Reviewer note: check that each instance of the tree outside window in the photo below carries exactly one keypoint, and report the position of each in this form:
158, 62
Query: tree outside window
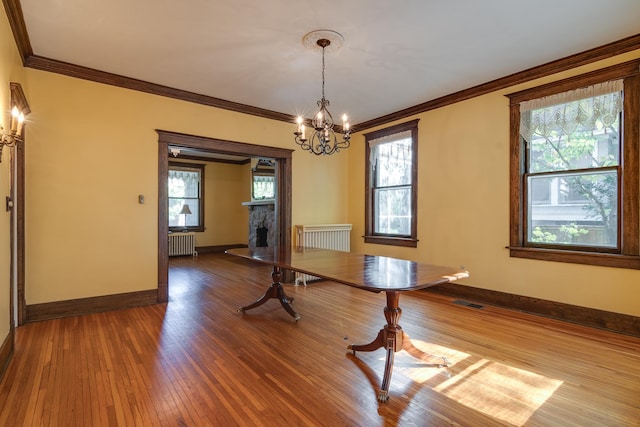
575, 169
574, 146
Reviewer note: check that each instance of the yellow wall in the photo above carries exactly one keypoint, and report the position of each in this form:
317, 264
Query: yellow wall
10, 71
92, 149
463, 208
226, 221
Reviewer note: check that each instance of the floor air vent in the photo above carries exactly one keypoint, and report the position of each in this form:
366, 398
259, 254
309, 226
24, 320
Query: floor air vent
468, 304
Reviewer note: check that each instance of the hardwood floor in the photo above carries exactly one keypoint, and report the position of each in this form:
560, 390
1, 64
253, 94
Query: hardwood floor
196, 362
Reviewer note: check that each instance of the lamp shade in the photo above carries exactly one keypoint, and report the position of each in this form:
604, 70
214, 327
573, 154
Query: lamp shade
185, 210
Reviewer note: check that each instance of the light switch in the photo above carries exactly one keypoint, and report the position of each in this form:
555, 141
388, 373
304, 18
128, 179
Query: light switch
141, 199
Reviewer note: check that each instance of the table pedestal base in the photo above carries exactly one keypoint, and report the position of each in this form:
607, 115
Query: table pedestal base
393, 339
275, 291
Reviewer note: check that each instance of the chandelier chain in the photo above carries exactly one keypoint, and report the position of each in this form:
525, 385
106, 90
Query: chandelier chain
323, 47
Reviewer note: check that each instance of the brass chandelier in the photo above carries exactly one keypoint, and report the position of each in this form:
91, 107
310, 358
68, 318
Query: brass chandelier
323, 138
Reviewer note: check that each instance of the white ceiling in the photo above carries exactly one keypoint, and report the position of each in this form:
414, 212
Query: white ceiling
396, 54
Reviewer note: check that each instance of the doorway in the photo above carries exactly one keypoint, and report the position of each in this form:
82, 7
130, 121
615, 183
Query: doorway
282, 202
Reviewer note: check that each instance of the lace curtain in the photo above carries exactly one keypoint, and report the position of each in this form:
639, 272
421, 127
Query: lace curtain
184, 183
577, 110
400, 151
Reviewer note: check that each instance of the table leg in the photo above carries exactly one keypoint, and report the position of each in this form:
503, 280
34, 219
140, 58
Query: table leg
390, 337
393, 339
275, 291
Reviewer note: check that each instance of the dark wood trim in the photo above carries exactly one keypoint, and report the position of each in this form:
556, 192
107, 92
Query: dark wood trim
80, 306
13, 9
210, 160
631, 166
77, 71
19, 209
218, 248
16, 20
392, 241
283, 157
601, 319
201, 211
370, 237
163, 222
222, 146
613, 72
18, 98
577, 257
629, 210
6, 352
589, 56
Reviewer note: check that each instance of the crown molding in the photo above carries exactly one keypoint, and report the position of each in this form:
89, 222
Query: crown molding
16, 20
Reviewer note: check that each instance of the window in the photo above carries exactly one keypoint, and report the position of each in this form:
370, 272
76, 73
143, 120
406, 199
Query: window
391, 179
263, 178
574, 169
186, 189
264, 186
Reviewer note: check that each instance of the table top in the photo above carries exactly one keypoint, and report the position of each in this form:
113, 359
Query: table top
370, 272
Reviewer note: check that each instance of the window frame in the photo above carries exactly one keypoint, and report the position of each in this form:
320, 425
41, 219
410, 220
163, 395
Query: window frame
390, 239
200, 227
628, 254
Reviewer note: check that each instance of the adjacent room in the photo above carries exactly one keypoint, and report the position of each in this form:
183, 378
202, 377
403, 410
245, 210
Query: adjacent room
319, 214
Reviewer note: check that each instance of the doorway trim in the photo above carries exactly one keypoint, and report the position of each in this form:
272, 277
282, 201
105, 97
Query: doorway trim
283, 159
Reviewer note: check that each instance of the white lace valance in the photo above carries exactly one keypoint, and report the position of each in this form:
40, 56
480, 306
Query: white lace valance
397, 151
564, 113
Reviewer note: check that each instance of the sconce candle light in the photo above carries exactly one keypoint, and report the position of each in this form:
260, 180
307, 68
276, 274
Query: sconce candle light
11, 138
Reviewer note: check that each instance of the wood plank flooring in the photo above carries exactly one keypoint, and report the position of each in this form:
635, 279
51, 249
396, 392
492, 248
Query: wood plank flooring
196, 362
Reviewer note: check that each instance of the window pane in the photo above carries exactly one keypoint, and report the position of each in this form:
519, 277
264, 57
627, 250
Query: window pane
264, 187
576, 135
176, 219
393, 207
540, 190
184, 185
583, 209
393, 163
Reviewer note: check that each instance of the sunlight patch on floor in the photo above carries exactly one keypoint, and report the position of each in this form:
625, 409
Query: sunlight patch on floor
503, 392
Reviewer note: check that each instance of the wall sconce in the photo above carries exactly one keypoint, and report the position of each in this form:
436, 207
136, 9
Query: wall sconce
11, 138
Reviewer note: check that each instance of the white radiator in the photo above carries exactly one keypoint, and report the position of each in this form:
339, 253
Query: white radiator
182, 244
325, 236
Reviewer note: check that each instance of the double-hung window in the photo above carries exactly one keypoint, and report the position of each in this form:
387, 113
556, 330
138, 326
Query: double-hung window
574, 169
391, 192
186, 190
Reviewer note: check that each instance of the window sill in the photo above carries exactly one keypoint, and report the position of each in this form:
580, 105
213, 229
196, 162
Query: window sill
392, 241
577, 257
188, 229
